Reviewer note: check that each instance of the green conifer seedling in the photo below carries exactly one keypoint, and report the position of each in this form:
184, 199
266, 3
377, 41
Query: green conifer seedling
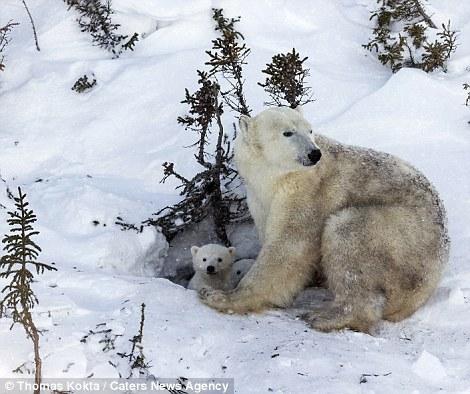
96, 19
83, 84
227, 58
19, 265
401, 37
210, 193
285, 83
4, 40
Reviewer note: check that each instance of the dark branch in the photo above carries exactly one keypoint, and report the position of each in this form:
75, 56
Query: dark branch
32, 24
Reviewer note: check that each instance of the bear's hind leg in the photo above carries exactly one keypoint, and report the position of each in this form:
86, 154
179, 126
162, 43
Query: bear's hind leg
354, 260
344, 314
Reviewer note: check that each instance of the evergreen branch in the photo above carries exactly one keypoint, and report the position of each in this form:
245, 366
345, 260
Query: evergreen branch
95, 19
286, 80
5, 40
211, 192
466, 87
423, 13
228, 57
409, 47
83, 84
136, 357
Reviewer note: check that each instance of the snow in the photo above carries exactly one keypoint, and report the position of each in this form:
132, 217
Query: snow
429, 367
85, 159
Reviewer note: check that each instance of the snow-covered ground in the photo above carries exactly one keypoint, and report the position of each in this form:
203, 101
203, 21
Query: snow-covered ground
92, 157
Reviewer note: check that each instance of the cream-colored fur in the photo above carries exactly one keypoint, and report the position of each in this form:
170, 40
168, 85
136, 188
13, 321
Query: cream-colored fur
371, 223
238, 271
227, 272
220, 259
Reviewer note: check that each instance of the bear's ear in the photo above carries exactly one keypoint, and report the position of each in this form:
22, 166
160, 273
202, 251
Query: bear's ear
244, 122
231, 250
299, 109
194, 250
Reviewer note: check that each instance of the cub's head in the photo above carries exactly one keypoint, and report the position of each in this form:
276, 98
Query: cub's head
212, 259
282, 137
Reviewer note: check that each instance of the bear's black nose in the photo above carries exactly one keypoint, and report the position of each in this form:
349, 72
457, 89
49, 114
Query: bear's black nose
210, 269
314, 156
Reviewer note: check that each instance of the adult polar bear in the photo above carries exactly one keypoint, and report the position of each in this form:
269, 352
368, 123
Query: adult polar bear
372, 224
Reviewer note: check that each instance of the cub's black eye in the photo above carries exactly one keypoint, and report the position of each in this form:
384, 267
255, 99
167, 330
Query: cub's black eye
311, 131
204, 259
219, 260
288, 134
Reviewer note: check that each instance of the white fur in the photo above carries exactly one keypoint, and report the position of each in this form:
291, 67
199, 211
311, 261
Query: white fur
370, 224
217, 256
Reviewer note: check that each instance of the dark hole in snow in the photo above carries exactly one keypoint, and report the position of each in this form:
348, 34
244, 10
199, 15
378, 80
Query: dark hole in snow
177, 266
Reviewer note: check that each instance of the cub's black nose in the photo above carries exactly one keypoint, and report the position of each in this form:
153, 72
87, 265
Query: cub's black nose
210, 269
314, 156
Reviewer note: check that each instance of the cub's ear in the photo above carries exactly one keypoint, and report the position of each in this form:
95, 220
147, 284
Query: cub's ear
244, 122
299, 109
194, 250
231, 250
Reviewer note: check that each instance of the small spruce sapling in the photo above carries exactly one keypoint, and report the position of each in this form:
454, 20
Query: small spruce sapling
438, 52
136, 357
95, 19
130, 44
285, 83
227, 58
108, 337
4, 40
83, 84
466, 87
17, 265
401, 37
210, 193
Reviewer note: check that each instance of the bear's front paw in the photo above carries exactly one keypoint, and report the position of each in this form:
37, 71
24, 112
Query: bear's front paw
216, 299
317, 322
326, 319
205, 292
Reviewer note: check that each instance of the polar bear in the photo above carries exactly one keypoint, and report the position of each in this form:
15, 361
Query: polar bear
239, 270
214, 267
369, 222
212, 264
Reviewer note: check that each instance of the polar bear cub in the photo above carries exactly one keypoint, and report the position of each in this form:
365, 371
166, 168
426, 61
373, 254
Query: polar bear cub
215, 267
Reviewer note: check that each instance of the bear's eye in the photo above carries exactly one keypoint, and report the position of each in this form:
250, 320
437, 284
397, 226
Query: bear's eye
288, 134
204, 259
219, 260
311, 131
